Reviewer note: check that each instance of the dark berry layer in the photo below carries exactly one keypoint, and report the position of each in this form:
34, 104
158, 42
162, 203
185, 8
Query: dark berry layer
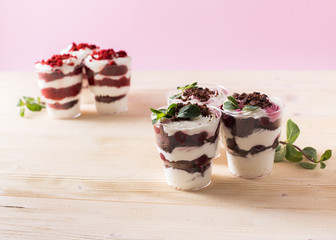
61, 93
108, 99
58, 74
122, 82
197, 165
234, 149
243, 127
62, 106
180, 139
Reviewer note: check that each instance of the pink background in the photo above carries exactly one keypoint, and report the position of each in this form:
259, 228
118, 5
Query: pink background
175, 34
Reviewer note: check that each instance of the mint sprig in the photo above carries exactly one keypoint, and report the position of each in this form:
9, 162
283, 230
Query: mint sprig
32, 104
186, 112
192, 85
178, 95
287, 150
232, 104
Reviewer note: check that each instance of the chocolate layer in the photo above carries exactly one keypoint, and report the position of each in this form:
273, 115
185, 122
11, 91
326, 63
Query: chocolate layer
234, 149
58, 74
180, 139
60, 93
197, 165
124, 81
243, 127
108, 99
64, 106
114, 70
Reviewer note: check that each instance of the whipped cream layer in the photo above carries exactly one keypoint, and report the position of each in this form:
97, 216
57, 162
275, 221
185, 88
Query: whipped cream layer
68, 66
183, 180
72, 112
215, 101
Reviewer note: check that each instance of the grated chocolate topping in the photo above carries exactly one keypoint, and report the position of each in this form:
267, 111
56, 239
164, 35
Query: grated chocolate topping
202, 94
253, 99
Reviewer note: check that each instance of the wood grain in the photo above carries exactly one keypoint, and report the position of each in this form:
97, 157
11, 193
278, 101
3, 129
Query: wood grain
100, 177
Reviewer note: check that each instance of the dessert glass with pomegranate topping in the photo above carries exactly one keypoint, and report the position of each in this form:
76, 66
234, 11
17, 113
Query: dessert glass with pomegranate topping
60, 82
251, 129
208, 94
109, 75
81, 51
187, 141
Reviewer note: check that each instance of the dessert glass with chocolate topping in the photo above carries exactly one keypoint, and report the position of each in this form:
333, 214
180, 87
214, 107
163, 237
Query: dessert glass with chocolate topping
109, 75
208, 94
251, 126
81, 51
187, 141
60, 82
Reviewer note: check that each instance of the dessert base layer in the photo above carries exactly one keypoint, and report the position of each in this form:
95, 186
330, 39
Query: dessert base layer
72, 112
251, 166
113, 107
183, 180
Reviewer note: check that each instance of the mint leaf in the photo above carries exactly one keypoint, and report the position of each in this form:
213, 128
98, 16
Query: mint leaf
280, 153
34, 107
292, 154
22, 112
310, 166
155, 111
28, 99
193, 85
171, 110
154, 120
250, 108
20, 103
293, 131
229, 106
189, 111
326, 155
322, 165
310, 152
233, 101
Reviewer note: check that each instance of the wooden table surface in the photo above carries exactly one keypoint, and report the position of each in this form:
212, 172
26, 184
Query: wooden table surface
100, 177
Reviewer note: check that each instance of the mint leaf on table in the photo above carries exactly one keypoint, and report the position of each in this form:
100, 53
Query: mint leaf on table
293, 131
326, 155
34, 105
322, 165
280, 153
189, 111
311, 152
295, 154
306, 165
250, 108
292, 154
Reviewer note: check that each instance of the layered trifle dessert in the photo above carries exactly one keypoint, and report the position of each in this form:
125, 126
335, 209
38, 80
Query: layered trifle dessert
187, 141
203, 94
60, 82
251, 130
109, 75
81, 51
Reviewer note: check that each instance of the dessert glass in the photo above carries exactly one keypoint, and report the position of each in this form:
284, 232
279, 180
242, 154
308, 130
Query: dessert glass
214, 100
109, 75
250, 139
60, 82
187, 149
